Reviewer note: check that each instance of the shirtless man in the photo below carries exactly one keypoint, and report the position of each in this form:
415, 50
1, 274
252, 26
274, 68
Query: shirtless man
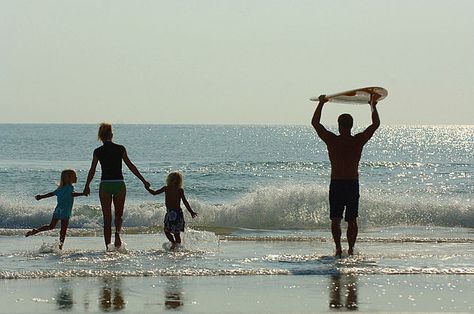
344, 153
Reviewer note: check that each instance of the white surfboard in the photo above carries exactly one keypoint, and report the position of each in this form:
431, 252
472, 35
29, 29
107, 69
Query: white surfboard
356, 96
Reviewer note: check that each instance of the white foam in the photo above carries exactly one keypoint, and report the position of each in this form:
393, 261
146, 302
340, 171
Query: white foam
272, 207
121, 249
48, 248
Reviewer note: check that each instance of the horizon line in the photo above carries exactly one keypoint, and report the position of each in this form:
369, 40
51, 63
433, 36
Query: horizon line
213, 124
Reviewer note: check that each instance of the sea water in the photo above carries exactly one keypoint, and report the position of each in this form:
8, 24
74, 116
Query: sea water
261, 193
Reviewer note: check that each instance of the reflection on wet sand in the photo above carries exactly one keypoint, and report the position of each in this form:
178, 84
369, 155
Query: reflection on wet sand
64, 299
111, 297
173, 293
343, 292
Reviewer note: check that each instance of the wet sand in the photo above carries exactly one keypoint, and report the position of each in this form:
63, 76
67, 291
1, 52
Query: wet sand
241, 294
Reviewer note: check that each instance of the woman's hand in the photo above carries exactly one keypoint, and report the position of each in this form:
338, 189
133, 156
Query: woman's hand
86, 190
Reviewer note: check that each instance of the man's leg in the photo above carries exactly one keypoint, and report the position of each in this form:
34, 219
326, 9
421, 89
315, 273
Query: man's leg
336, 234
352, 230
336, 209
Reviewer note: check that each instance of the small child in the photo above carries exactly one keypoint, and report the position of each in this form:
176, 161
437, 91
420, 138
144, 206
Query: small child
174, 218
65, 195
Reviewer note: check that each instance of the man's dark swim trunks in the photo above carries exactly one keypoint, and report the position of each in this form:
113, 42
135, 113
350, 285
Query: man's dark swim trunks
344, 194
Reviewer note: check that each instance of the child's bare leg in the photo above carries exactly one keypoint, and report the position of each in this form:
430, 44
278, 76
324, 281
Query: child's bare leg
169, 236
172, 239
62, 233
177, 241
51, 226
177, 238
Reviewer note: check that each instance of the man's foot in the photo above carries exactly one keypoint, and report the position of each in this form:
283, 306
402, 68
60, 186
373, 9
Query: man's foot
338, 253
118, 241
173, 246
30, 233
61, 245
350, 251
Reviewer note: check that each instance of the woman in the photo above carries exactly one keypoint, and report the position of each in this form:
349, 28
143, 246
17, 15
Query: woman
112, 187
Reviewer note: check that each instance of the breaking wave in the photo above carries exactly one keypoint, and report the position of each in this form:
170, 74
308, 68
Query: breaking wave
274, 208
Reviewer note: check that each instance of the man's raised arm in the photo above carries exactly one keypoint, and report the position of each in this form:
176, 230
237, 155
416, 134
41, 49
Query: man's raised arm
367, 134
316, 121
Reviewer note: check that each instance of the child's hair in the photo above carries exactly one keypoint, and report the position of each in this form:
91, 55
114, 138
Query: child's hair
66, 177
105, 132
175, 179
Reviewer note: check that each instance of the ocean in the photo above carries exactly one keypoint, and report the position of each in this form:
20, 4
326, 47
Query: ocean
261, 193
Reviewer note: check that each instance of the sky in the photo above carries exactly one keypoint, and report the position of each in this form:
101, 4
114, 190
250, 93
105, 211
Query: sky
234, 62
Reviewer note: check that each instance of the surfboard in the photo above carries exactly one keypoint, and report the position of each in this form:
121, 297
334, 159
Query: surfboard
356, 96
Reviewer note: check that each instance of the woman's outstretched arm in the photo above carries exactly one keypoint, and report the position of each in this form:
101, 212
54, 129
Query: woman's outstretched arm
134, 169
91, 174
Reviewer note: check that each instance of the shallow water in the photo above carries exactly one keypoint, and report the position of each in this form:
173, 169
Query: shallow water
261, 240
258, 177
245, 271
243, 253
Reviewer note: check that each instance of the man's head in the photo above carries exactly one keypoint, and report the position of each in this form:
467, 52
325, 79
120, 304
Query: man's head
345, 121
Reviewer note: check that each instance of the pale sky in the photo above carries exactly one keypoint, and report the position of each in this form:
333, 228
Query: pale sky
233, 62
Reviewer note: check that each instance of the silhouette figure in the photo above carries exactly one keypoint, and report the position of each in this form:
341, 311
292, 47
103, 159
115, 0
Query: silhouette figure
112, 187
65, 197
344, 151
174, 218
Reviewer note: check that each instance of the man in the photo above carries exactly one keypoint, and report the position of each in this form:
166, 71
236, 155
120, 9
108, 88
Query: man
344, 153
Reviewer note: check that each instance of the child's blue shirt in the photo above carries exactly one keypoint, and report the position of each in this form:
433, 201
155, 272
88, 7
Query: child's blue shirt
65, 199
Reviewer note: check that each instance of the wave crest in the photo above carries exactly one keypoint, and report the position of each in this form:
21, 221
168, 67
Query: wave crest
274, 207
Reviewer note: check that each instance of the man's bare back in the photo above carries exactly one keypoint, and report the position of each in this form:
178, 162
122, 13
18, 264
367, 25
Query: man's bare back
344, 153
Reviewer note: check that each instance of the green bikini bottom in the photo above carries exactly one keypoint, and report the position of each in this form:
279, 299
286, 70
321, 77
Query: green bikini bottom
112, 187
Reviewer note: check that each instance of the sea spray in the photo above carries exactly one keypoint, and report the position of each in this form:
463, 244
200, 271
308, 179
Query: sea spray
272, 207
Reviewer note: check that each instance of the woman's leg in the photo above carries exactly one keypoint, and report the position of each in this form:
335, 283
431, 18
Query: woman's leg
119, 204
106, 204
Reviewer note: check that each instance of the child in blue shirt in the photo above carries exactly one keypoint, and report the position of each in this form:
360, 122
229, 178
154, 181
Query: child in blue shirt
65, 196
